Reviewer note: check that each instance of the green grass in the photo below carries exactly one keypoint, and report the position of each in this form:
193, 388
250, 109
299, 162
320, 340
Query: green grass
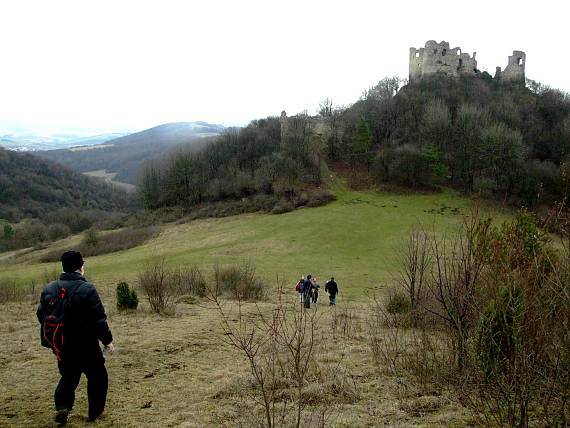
354, 238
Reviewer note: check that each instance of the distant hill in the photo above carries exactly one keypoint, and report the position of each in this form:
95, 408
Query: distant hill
26, 142
34, 187
124, 156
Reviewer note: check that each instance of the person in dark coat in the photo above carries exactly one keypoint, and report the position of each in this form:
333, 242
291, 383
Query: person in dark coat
307, 289
331, 287
85, 326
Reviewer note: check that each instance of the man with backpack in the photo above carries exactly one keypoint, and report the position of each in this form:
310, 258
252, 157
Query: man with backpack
298, 288
307, 289
331, 287
73, 322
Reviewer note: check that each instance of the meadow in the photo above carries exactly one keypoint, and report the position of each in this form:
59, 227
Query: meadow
176, 371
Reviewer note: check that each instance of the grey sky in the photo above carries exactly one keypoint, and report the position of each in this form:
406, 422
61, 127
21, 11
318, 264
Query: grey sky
125, 65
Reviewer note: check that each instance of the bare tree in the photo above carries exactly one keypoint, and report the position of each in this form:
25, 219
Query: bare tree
281, 344
415, 261
454, 282
326, 107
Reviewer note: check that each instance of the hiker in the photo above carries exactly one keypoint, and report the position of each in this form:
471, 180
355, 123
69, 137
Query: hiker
331, 287
298, 288
306, 290
73, 321
315, 288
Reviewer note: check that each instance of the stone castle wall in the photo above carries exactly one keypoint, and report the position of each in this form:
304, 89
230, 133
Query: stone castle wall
440, 58
515, 69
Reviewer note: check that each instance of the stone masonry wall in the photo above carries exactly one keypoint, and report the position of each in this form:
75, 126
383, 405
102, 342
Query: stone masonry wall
515, 70
439, 58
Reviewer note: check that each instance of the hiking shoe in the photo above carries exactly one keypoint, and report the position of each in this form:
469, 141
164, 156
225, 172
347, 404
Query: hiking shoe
61, 416
91, 417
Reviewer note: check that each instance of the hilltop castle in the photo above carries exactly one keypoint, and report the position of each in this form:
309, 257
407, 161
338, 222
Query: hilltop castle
439, 58
432, 59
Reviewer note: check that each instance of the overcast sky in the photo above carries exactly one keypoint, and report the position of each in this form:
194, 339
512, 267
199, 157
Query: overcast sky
103, 66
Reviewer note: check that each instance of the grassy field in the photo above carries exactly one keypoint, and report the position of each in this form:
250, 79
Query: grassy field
175, 371
354, 238
108, 176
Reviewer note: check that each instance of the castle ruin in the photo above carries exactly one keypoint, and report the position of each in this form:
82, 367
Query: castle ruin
514, 69
439, 58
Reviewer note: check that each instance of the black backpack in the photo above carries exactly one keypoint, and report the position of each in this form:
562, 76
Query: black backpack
53, 324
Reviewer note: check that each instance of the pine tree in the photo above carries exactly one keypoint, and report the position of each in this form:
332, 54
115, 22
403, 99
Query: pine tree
361, 143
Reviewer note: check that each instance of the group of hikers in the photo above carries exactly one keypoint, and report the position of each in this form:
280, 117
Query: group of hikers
308, 289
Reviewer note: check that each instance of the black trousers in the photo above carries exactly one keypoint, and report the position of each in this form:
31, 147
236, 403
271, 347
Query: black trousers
71, 368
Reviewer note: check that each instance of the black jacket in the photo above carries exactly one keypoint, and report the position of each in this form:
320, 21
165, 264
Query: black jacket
332, 288
85, 319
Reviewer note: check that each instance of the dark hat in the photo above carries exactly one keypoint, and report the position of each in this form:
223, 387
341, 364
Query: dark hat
71, 261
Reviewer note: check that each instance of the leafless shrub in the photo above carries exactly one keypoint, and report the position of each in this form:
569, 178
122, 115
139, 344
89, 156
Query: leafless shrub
455, 281
240, 282
156, 283
344, 321
188, 281
386, 337
429, 358
280, 347
493, 323
11, 291
415, 262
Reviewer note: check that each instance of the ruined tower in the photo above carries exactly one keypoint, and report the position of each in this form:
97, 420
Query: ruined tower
283, 122
515, 68
439, 58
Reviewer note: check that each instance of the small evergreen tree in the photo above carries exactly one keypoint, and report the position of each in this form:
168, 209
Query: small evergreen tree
361, 143
9, 231
126, 298
91, 238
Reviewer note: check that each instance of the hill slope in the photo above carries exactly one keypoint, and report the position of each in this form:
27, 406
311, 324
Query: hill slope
353, 238
32, 187
125, 155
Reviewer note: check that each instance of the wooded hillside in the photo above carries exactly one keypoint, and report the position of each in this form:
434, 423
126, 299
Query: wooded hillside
35, 187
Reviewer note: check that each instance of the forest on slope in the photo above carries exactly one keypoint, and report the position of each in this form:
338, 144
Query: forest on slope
34, 187
41, 200
501, 140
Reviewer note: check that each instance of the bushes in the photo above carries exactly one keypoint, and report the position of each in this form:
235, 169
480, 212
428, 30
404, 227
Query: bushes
313, 199
240, 282
91, 238
126, 298
403, 166
398, 303
189, 281
282, 207
492, 321
13, 291
164, 286
156, 284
